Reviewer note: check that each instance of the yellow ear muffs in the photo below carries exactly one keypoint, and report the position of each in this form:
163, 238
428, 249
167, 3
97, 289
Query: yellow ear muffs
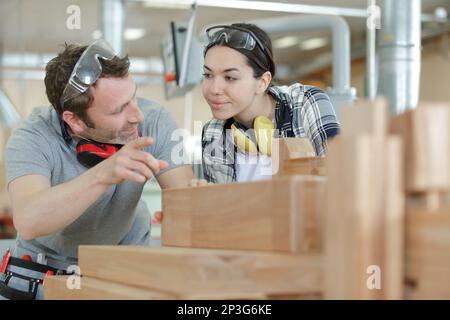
263, 132
263, 129
242, 141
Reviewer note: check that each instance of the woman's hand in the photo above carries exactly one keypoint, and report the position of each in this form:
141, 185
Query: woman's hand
158, 216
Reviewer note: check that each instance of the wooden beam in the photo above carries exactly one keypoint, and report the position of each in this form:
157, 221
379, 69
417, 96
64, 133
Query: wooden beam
364, 219
365, 208
365, 117
296, 156
293, 148
426, 135
304, 166
274, 215
184, 271
55, 288
427, 253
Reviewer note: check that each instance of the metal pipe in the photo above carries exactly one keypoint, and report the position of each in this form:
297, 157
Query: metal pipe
113, 16
9, 117
272, 7
371, 45
399, 54
341, 93
340, 40
257, 5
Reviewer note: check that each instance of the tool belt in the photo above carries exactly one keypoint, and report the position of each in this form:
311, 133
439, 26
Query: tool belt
40, 270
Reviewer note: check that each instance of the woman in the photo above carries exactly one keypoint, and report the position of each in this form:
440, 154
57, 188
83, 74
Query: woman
237, 84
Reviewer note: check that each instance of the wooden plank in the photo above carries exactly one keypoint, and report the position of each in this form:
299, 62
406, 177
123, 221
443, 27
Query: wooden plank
365, 117
275, 215
55, 288
185, 271
427, 253
425, 132
293, 148
284, 149
304, 166
365, 207
364, 218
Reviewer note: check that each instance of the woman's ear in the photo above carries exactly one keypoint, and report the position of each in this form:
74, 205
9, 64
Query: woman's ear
264, 82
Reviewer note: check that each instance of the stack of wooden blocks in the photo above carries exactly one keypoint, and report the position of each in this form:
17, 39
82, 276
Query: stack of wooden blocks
239, 241
370, 222
426, 137
365, 208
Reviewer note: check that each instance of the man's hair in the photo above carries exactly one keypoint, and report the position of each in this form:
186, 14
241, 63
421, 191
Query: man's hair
59, 69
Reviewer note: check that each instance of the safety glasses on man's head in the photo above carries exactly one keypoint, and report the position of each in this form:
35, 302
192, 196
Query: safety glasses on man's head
87, 70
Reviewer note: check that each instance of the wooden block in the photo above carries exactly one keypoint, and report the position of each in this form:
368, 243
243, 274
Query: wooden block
204, 272
427, 254
365, 117
55, 288
275, 215
364, 219
425, 132
296, 156
430, 201
304, 166
293, 148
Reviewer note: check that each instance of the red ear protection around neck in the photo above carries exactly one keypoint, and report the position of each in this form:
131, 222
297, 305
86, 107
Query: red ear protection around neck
91, 153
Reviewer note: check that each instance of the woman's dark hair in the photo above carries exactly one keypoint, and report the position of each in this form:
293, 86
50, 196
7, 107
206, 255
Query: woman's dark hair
263, 58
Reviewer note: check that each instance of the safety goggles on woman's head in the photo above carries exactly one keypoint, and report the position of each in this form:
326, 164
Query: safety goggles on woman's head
233, 36
87, 70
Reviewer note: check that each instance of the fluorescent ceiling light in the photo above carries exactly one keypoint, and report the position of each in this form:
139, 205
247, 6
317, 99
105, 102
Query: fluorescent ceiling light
257, 5
285, 42
313, 43
168, 4
134, 33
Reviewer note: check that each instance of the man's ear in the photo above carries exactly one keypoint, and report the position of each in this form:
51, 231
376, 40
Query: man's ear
74, 122
264, 82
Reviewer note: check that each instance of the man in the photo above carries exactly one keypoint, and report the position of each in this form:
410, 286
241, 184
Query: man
62, 194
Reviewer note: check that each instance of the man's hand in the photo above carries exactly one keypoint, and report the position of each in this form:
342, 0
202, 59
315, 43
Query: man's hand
198, 183
157, 217
130, 163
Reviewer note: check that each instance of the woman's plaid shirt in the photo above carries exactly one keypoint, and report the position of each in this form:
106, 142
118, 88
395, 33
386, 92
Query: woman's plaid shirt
300, 111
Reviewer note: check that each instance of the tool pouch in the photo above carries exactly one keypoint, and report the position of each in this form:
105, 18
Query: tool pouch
25, 275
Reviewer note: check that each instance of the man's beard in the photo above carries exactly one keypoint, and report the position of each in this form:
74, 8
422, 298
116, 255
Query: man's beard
110, 136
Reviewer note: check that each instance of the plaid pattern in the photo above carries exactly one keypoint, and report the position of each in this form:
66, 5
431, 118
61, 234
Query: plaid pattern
300, 111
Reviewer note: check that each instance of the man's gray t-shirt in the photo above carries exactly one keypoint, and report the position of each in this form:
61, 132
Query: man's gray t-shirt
118, 216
